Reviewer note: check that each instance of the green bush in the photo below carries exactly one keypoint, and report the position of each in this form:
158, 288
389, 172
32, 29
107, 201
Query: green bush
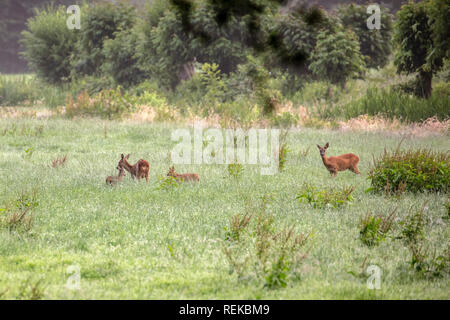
411, 170
49, 44
284, 120
109, 103
329, 197
254, 247
235, 170
374, 228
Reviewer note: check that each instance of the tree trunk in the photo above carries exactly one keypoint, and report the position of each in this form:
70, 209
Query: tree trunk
424, 84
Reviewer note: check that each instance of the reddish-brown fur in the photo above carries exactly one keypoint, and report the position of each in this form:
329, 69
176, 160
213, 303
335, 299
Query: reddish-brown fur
339, 163
183, 176
140, 169
112, 180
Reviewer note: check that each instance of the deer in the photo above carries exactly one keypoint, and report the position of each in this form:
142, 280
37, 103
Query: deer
339, 163
138, 170
112, 180
184, 176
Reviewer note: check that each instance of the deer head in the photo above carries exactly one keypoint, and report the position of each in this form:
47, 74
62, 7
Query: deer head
171, 172
123, 161
324, 149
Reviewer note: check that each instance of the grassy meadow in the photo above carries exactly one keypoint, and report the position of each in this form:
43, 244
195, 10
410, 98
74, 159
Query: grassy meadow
138, 241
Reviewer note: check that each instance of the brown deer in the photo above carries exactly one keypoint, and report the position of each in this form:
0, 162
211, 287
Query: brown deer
183, 176
139, 169
339, 163
112, 180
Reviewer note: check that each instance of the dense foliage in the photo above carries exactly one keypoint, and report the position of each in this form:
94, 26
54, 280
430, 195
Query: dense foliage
421, 39
49, 44
375, 45
411, 170
337, 57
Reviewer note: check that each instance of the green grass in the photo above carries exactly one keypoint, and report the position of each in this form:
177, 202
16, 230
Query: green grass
140, 241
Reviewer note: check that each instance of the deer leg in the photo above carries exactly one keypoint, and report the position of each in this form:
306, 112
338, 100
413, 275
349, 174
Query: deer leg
355, 170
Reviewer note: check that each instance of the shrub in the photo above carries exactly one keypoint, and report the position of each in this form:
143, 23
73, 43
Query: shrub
326, 197
168, 183
283, 150
413, 170
284, 120
49, 44
374, 228
110, 103
18, 214
427, 262
235, 170
253, 241
412, 227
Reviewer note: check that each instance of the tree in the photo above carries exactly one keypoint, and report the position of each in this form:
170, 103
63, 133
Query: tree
375, 45
336, 57
418, 35
101, 21
439, 13
49, 44
121, 62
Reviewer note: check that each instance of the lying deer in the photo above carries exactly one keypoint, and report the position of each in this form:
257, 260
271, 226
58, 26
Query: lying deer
139, 169
183, 176
112, 180
340, 163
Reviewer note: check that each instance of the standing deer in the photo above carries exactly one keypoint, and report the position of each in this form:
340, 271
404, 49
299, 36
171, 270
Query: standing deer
183, 176
139, 169
339, 163
112, 180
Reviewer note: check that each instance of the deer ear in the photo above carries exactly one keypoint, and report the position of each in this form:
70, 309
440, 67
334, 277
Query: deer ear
121, 156
327, 145
318, 146
128, 156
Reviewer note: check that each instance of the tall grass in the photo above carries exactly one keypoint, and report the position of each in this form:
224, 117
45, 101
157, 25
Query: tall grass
26, 90
393, 103
17, 89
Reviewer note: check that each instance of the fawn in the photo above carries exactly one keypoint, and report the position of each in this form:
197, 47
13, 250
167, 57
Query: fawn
112, 180
139, 169
340, 163
183, 176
